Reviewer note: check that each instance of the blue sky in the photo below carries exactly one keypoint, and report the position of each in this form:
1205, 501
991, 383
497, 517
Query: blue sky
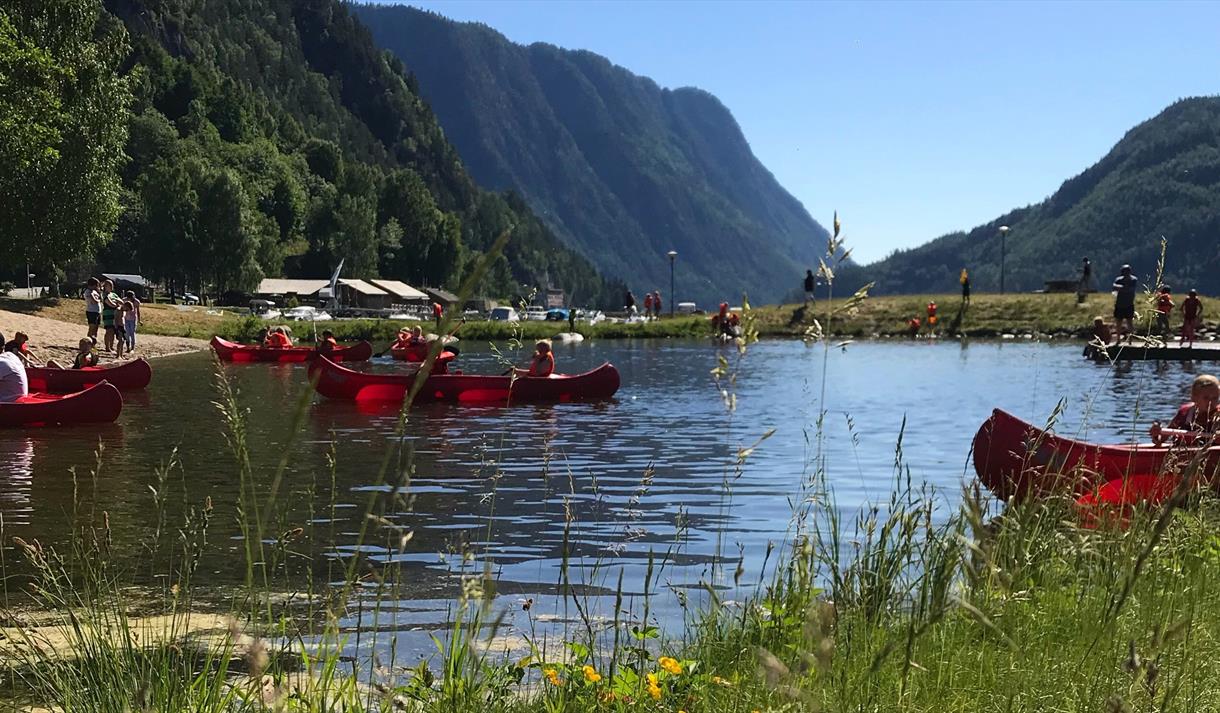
911, 119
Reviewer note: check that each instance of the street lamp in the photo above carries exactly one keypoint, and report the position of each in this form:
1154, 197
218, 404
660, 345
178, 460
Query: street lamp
1003, 235
673, 254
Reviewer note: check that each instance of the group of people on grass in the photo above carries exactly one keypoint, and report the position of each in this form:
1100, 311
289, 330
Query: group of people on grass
725, 322
652, 304
117, 315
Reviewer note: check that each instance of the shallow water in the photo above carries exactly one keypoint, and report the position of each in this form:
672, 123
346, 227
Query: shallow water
500, 482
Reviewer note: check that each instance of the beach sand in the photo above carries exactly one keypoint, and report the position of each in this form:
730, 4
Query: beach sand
53, 339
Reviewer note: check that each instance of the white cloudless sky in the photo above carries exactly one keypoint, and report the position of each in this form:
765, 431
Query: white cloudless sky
911, 119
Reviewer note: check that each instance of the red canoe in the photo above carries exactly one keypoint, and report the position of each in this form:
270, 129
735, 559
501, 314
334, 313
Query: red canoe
1014, 458
413, 354
97, 404
127, 376
230, 351
337, 382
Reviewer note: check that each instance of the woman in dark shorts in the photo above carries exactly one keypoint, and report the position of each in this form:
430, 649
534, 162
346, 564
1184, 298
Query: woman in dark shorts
110, 301
93, 307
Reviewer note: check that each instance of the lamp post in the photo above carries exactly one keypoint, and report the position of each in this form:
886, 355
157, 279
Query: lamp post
673, 254
1003, 235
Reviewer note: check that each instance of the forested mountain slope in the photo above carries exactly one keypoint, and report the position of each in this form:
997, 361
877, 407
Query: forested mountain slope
1161, 179
620, 168
272, 137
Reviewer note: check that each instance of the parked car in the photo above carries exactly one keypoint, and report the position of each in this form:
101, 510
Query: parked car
686, 308
534, 313
557, 314
306, 313
504, 314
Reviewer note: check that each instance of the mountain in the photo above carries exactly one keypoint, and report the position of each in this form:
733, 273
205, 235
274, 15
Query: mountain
272, 137
620, 168
1161, 179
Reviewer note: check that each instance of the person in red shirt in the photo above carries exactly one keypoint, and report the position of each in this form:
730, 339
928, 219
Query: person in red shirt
656, 303
437, 311
543, 363
1192, 316
932, 319
913, 327
278, 339
1201, 415
647, 304
1164, 306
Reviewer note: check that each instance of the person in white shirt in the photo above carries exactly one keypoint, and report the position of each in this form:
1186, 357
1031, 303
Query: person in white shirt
13, 381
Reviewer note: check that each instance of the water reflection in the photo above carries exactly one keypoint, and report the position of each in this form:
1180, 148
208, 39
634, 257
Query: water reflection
612, 481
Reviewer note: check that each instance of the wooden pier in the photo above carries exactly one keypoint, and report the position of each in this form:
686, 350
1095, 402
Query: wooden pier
1174, 351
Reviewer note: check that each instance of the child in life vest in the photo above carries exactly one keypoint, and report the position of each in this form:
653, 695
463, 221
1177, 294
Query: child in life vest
1201, 415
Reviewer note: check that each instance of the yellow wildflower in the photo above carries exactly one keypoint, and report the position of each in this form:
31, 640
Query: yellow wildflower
670, 665
654, 689
553, 676
722, 682
591, 674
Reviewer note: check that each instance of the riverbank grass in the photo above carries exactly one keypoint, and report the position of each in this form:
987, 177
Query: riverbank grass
988, 315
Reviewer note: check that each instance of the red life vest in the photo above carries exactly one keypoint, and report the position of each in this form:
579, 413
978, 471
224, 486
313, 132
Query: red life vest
1164, 303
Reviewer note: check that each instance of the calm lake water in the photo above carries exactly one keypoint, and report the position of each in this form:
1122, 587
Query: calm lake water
497, 482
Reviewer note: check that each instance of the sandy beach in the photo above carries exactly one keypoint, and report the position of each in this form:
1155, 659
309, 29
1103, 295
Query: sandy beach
53, 339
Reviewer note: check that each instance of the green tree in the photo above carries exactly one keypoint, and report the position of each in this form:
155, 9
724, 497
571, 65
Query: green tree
227, 235
63, 124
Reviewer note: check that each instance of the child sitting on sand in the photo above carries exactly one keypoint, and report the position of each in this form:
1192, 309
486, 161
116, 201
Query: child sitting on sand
1201, 415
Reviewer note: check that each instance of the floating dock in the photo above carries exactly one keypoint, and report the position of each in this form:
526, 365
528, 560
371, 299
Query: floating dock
1174, 351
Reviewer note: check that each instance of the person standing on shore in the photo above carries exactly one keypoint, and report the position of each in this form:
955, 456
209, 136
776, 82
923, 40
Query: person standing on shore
965, 280
1192, 316
93, 306
647, 305
810, 285
1086, 275
110, 303
130, 319
1124, 287
1164, 307
629, 303
656, 303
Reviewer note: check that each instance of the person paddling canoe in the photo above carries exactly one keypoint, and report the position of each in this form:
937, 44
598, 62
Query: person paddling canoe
278, 339
327, 343
543, 363
1199, 417
14, 384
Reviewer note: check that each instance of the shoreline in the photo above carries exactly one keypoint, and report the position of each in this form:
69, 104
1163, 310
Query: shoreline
987, 316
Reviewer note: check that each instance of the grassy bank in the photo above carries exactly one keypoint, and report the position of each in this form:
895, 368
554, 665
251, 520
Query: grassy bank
988, 315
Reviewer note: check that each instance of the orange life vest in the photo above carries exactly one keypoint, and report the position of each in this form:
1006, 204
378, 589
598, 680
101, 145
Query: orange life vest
276, 340
542, 365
